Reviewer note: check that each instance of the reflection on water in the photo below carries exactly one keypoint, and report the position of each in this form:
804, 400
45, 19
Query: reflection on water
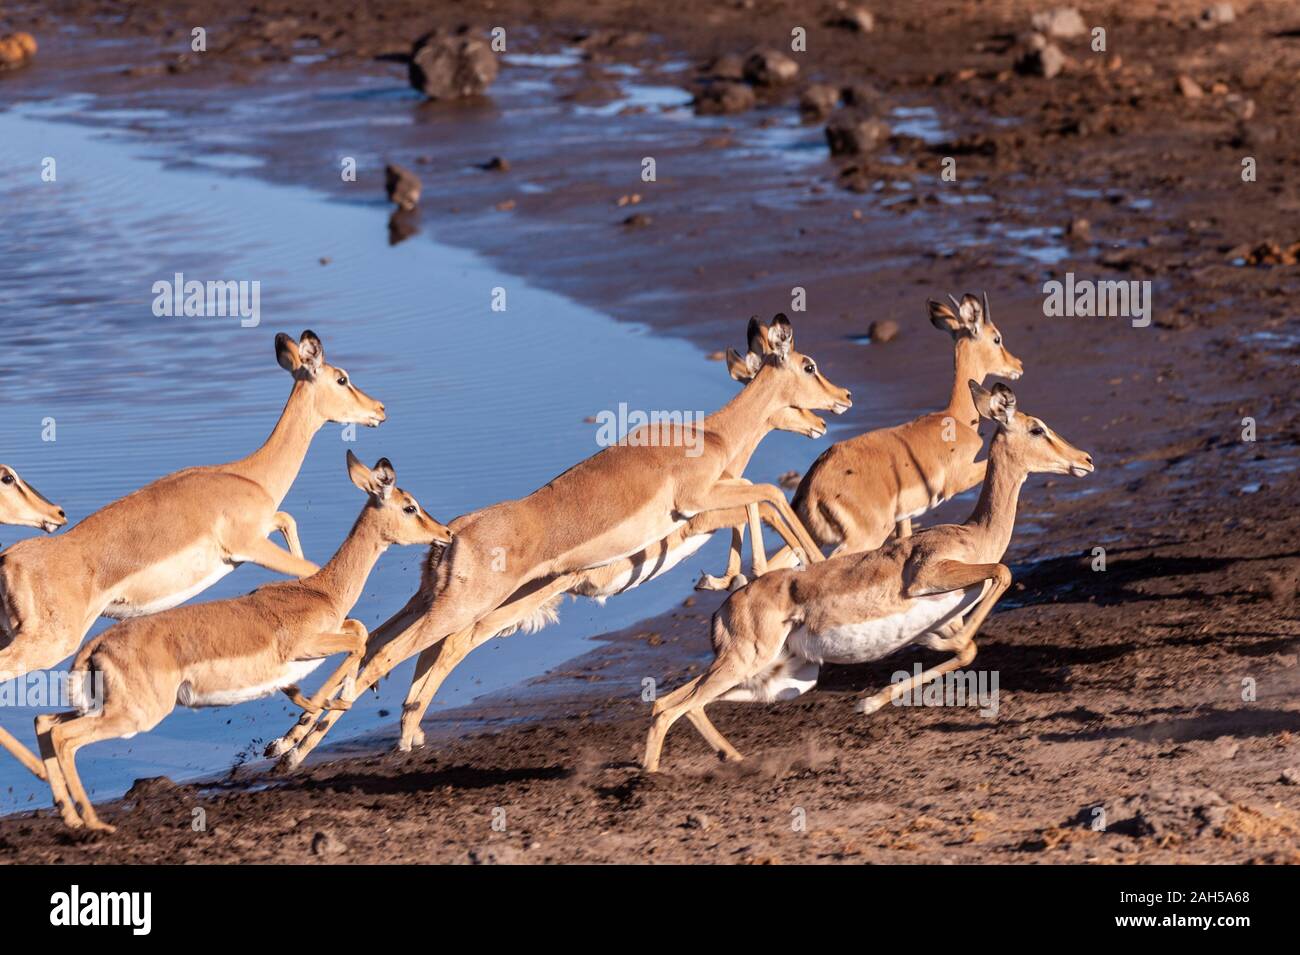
482, 405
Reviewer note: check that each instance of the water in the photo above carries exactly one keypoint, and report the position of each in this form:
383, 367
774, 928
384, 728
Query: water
482, 405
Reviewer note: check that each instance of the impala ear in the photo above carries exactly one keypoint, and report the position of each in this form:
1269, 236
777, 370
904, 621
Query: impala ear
944, 318
997, 405
972, 314
286, 353
311, 352
743, 367
756, 337
378, 481
780, 336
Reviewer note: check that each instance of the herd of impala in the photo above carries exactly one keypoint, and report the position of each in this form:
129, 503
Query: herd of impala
623, 516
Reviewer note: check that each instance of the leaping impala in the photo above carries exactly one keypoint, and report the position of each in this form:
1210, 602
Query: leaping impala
21, 505
933, 588
229, 651
509, 562
161, 545
861, 489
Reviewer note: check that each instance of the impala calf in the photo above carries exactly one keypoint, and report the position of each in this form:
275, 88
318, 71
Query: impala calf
229, 651
163, 544
861, 489
933, 588
509, 562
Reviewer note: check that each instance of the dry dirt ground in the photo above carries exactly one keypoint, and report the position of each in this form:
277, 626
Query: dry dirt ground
1161, 692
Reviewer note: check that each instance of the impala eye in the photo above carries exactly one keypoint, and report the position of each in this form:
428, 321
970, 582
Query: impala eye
8, 479
810, 368
997, 339
1037, 431
343, 380
410, 509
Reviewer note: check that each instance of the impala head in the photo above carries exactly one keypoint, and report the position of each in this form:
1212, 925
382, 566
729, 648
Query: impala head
970, 323
333, 395
401, 518
24, 506
786, 419
800, 385
1033, 444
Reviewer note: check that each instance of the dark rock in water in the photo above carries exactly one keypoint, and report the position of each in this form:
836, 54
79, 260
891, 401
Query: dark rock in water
770, 68
452, 66
637, 220
885, 330
497, 164
818, 100
724, 96
860, 95
403, 186
849, 133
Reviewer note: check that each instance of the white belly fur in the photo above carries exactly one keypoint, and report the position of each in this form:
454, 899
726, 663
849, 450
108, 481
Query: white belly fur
122, 610
290, 674
638, 575
874, 639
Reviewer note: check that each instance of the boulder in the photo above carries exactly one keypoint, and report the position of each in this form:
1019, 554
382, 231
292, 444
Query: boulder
451, 66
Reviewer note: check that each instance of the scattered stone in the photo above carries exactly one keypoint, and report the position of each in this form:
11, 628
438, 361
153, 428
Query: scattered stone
724, 97
857, 19
446, 66
729, 66
849, 133
698, 820
496, 164
16, 50
1189, 87
1064, 23
1216, 14
1162, 811
1041, 58
1290, 776
325, 260
327, 844
637, 220
1240, 106
885, 330
770, 68
1078, 229
494, 855
505, 205
629, 199
860, 96
789, 480
403, 186
818, 101
1273, 253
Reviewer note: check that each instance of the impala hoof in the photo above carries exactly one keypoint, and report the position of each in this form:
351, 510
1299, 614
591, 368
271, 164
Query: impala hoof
709, 582
277, 747
740, 580
869, 705
289, 762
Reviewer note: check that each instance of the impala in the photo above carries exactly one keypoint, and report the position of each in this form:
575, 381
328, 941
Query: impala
161, 545
509, 562
933, 588
21, 505
229, 651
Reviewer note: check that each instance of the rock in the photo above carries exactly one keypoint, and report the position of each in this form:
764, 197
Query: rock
1189, 87
857, 19
1063, 23
501, 854
1041, 59
849, 133
885, 330
1242, 107
1078, 228
818, 100
729, 66
789, 480
1216, 14
724, 97
698, 820
1164, 810
1290, 776
860, 95
446, 66
403, 186
326, 844
637, 220
770, 68
16, 49
150, 786
497, 164
402, 224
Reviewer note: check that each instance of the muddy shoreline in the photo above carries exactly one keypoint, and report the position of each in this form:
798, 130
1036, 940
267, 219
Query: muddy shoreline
1120, 689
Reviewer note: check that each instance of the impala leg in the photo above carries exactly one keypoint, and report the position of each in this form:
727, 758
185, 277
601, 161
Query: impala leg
68, 735
903, 528
737, 492
947, 576
437, 662
52, 773
283, 522
732, 573
262, 552
758, 555
17, 660
352, 637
